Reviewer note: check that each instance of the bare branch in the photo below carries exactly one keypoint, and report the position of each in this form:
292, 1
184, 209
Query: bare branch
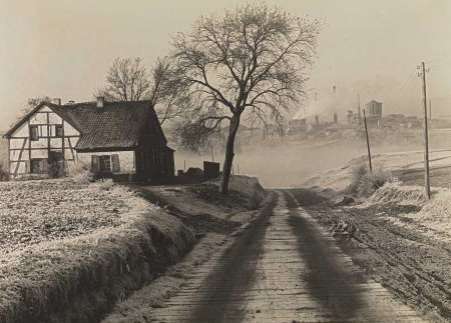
251, 60
126, 80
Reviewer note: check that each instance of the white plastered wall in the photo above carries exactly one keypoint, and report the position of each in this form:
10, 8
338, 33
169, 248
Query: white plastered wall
20, 144
126, 159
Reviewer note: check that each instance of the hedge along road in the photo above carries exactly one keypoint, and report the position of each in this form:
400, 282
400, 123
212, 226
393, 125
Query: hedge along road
283, 268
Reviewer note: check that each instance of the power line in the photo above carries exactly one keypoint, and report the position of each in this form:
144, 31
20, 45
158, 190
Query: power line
398, 90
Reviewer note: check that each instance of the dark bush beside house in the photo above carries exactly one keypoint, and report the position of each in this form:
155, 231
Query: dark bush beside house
4, 174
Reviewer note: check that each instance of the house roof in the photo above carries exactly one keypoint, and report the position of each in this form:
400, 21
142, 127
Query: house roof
22, 120
117, 125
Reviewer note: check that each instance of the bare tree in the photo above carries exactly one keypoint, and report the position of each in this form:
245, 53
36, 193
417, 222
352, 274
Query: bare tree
34, 102
31, 104
251, 60
165, 93
193, 135
195, 130
127, 80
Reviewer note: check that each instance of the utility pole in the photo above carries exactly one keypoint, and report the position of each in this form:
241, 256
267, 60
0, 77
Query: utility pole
359, 115
430, 111
367, 142
427, 182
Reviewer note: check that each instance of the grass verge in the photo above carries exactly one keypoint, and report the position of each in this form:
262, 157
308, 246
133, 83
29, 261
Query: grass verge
80, 279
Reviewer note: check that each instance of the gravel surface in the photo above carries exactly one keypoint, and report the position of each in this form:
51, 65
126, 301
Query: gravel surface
36, 211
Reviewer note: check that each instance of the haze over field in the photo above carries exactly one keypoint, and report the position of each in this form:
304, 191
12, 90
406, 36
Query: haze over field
64, 48
52, 53
289, 162
281, 165
328, 197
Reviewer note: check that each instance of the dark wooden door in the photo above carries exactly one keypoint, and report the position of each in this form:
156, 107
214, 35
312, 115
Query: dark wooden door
56, 164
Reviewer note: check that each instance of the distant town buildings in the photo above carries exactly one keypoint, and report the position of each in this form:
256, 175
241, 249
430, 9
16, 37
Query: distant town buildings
374, 112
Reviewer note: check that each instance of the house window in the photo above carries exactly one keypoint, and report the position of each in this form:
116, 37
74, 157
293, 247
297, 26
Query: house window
105, 164
59, 131
38, 166
101, 164
34, 133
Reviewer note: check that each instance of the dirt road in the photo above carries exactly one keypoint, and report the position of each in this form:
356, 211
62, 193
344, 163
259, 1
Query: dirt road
395, 251
283, 268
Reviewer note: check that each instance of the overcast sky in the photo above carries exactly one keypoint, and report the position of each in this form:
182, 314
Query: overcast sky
63, 48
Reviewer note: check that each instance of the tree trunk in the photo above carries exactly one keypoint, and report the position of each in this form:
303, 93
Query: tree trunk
230, 153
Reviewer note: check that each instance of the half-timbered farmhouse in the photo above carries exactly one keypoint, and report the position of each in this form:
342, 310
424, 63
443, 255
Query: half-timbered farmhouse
121, 139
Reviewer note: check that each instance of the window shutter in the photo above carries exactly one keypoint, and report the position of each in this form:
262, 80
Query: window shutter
34, 134
58, 131
95, 164
27, 166
115, 163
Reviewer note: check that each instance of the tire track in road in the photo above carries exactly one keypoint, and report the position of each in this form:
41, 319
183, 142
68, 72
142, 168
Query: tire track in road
283, 268
229, 281
328, 281
413, 266
218, 291
343, 289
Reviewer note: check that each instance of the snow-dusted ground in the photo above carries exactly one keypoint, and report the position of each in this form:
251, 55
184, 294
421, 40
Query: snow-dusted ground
74, 249
35, 211
398, 163
398, 235
216, 219
432, 218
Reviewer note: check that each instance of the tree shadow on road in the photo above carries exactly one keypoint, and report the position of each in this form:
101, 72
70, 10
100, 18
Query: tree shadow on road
223, 299
332, 286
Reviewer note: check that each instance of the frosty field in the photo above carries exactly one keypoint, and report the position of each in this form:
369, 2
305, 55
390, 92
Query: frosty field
37, 211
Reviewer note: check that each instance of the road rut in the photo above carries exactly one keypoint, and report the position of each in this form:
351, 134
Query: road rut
284, 268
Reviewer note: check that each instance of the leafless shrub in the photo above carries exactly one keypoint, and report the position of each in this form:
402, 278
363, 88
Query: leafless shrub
81, 174
106, 184
365, 183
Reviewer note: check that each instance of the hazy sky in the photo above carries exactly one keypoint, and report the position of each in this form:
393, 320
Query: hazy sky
63, 48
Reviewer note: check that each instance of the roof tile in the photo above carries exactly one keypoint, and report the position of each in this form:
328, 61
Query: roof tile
116, 125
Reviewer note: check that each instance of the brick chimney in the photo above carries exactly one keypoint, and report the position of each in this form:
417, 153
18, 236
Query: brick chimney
100, 102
